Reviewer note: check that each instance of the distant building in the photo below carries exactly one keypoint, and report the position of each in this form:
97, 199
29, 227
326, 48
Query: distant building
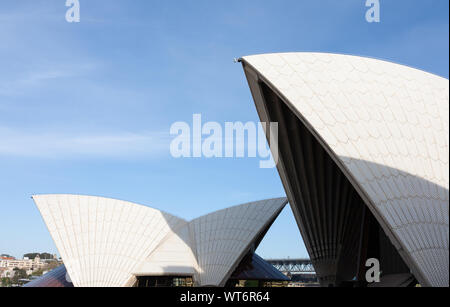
25, 263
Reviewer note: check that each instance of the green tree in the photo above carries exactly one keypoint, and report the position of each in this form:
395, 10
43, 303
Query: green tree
46, 256
30, 255
18, 275
47, 267
6, 282
38, 272
43, 256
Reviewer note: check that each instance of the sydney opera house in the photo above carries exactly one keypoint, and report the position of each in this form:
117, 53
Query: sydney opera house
363, 149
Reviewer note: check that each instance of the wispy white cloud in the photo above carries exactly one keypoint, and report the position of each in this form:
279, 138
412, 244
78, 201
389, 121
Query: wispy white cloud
78, 146
26, 80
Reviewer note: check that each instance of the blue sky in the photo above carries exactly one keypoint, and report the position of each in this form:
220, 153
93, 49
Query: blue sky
86, 108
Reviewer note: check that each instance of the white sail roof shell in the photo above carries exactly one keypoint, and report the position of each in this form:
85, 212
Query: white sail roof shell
224, 237
100, 240
107, 243
387, 126
174, 256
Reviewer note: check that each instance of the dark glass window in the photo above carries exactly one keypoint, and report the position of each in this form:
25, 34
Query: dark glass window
164, 281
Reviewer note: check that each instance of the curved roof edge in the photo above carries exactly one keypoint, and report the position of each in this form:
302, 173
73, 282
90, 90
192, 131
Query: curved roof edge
106, 198
246, 57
